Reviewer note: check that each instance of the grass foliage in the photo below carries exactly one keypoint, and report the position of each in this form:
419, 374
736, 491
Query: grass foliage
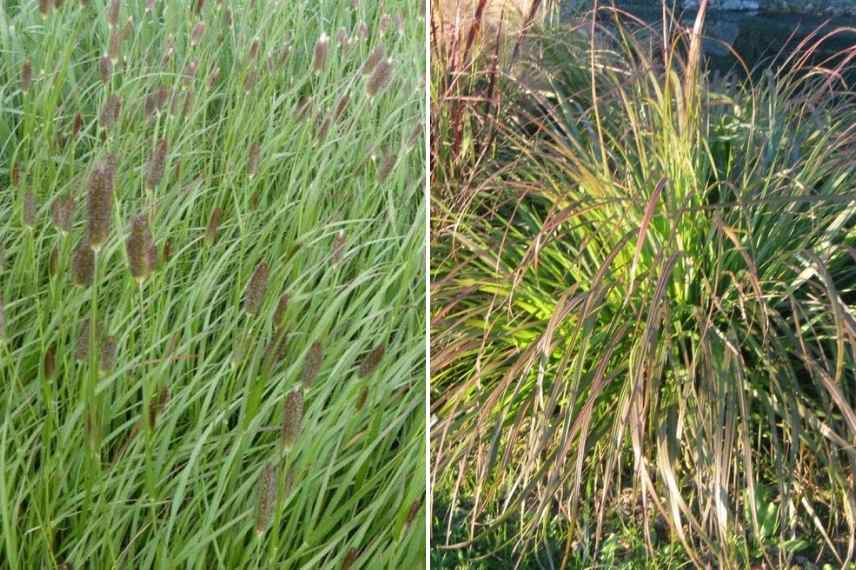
648, 297
211, 286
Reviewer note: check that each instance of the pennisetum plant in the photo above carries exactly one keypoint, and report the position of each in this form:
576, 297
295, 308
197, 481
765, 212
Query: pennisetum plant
100, 202
279, 313
62, 212
83, 265
312, 364
256, 289
141, 249
99, 215
372, 360
155, 167
26, 76
320, 52
213, 228
379, 77
292, 418
266, 490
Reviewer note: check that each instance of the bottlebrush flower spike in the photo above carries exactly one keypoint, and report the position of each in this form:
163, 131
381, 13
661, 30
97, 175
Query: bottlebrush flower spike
140, 246
312, 364
319, 59
62, 212
379, 78
100, 202
292, 418
256, 288
83, 265
26, 76
372, 360
267, 491
156, 165
213, 226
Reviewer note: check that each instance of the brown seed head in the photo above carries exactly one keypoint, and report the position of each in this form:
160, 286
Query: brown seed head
114, 47
342, 37
150, 5
62, 212
197, 33
198, 6
26, 75
108, 354
128, 28
372, 360
339, 243
167, 250
155, 101
253, 159
379, 78
110, 111
77, 124
303, 107
323, 125
81, 351
292, 418
250, 80
156, 164
188, 102
83, 265
168, 51
214, 77
29, 209
100, 202
49, 361
267, 491
386, 166
279, 314
254, 50
361, 399
45, 6
256, 288
189, 73
139, 247
312, 364
375, 57
342, 106
213, 226
157, 405
415, 507
105, 69
113, 13
319, 59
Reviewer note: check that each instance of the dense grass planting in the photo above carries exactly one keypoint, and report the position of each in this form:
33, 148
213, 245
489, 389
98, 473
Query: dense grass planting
644, 307
211, 284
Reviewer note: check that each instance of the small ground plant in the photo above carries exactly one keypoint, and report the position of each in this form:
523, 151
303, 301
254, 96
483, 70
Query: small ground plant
649, 297
211, 284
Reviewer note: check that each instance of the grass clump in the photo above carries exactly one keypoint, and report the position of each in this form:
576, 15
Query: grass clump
167, 231
649, 296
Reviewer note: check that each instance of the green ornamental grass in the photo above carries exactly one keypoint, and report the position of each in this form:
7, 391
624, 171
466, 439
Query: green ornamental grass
178, 244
